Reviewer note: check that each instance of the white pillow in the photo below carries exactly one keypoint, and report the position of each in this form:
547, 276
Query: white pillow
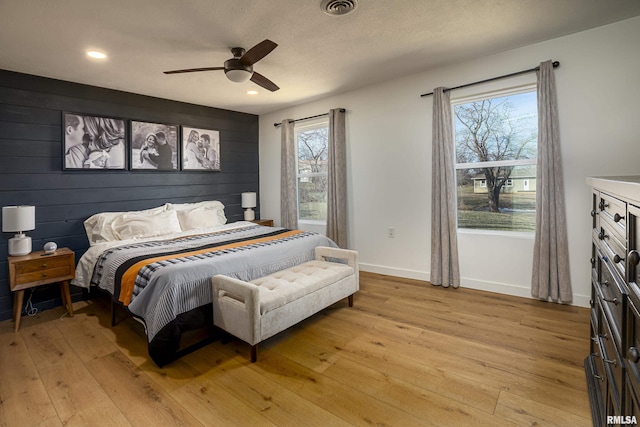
200, 214
202, 217
139, 225
98, 226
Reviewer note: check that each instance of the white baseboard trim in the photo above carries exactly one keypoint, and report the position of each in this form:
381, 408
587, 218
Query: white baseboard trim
481, 285
392, 271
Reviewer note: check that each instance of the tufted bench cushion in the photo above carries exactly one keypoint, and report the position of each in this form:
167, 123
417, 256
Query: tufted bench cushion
254, 311
284, 286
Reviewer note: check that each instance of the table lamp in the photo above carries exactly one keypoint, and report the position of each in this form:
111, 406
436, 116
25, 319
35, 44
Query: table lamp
249, 202
19, 219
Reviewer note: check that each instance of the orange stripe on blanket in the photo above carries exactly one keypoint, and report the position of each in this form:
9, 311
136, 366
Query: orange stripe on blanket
128, 280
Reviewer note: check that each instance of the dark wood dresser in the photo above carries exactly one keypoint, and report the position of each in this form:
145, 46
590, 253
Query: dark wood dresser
613, 365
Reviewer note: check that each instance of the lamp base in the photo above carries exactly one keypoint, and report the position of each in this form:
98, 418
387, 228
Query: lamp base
249, 215
19, 245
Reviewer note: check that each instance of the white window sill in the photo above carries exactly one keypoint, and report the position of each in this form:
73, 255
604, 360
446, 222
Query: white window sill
311, 222
515, 234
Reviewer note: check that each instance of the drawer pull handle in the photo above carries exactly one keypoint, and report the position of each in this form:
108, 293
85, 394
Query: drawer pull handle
598, 377
44, 274
605, 283
611, 362
602, 235
594, 213
44, 265
633, 257
634, 354
617, 258
603, 205
617, 217
615, 301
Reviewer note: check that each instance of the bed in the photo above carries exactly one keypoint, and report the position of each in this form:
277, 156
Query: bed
158, 263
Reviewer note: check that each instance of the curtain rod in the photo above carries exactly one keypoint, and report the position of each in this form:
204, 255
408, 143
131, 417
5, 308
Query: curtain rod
342, 110
556, 64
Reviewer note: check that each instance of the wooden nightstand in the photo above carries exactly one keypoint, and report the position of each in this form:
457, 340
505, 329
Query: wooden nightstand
37, 269
265, 222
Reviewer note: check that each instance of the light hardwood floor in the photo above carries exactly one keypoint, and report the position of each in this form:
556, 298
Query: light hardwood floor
407, 353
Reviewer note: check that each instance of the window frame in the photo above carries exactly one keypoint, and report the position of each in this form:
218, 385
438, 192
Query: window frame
496, 92
309, 125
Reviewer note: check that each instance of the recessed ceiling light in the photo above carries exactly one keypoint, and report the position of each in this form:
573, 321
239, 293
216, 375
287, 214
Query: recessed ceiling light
96, 54
252, 92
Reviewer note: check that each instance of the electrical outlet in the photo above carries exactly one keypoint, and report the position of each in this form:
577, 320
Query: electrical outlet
391, 232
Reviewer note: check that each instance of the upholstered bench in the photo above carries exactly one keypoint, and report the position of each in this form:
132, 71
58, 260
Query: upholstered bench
256, 310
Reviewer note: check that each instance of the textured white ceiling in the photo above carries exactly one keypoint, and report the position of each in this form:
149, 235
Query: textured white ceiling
317, 54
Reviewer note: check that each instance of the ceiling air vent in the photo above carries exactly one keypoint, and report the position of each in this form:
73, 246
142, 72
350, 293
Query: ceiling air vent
338, 7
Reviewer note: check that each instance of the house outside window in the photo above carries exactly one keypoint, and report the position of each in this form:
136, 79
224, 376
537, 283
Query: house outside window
312, 143
495, 138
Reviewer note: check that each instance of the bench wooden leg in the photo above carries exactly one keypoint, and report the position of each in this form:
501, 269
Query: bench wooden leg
350, 300
254, 353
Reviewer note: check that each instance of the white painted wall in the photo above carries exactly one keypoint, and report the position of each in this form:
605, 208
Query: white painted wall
389, 156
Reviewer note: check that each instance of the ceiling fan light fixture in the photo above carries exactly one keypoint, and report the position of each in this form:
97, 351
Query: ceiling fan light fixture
238, 76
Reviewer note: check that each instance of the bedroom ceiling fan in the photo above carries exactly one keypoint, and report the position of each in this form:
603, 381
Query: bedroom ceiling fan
240, 68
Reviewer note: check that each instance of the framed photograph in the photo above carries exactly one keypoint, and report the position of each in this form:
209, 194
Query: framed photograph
93, 142
154, 146
200, 149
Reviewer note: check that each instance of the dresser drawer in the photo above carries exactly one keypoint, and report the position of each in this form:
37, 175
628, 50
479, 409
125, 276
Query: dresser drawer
612, 297
614, 210
631, 403
613, 250
633, 254
598, 373
612, 363
631, 353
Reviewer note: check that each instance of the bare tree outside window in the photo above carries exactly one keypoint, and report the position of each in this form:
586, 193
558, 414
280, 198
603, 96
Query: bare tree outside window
496, 146
312, 172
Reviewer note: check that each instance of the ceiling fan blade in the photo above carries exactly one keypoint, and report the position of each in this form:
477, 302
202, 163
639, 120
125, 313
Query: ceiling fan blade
193, 70
257, 52
261, 80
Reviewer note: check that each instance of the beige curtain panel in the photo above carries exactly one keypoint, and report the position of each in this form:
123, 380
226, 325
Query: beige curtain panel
550, 278
288, 180
337, 179
445, 270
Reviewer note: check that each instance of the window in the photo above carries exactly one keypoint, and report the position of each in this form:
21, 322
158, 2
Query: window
496, 146
312, 143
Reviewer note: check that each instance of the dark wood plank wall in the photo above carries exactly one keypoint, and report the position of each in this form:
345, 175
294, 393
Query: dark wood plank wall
31, 165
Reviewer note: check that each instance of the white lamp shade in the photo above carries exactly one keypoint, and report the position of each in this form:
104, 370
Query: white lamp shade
18, 218
248, 200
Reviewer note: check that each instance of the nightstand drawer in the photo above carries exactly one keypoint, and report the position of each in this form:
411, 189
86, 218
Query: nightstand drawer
43, 274
265, 222
43, 264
